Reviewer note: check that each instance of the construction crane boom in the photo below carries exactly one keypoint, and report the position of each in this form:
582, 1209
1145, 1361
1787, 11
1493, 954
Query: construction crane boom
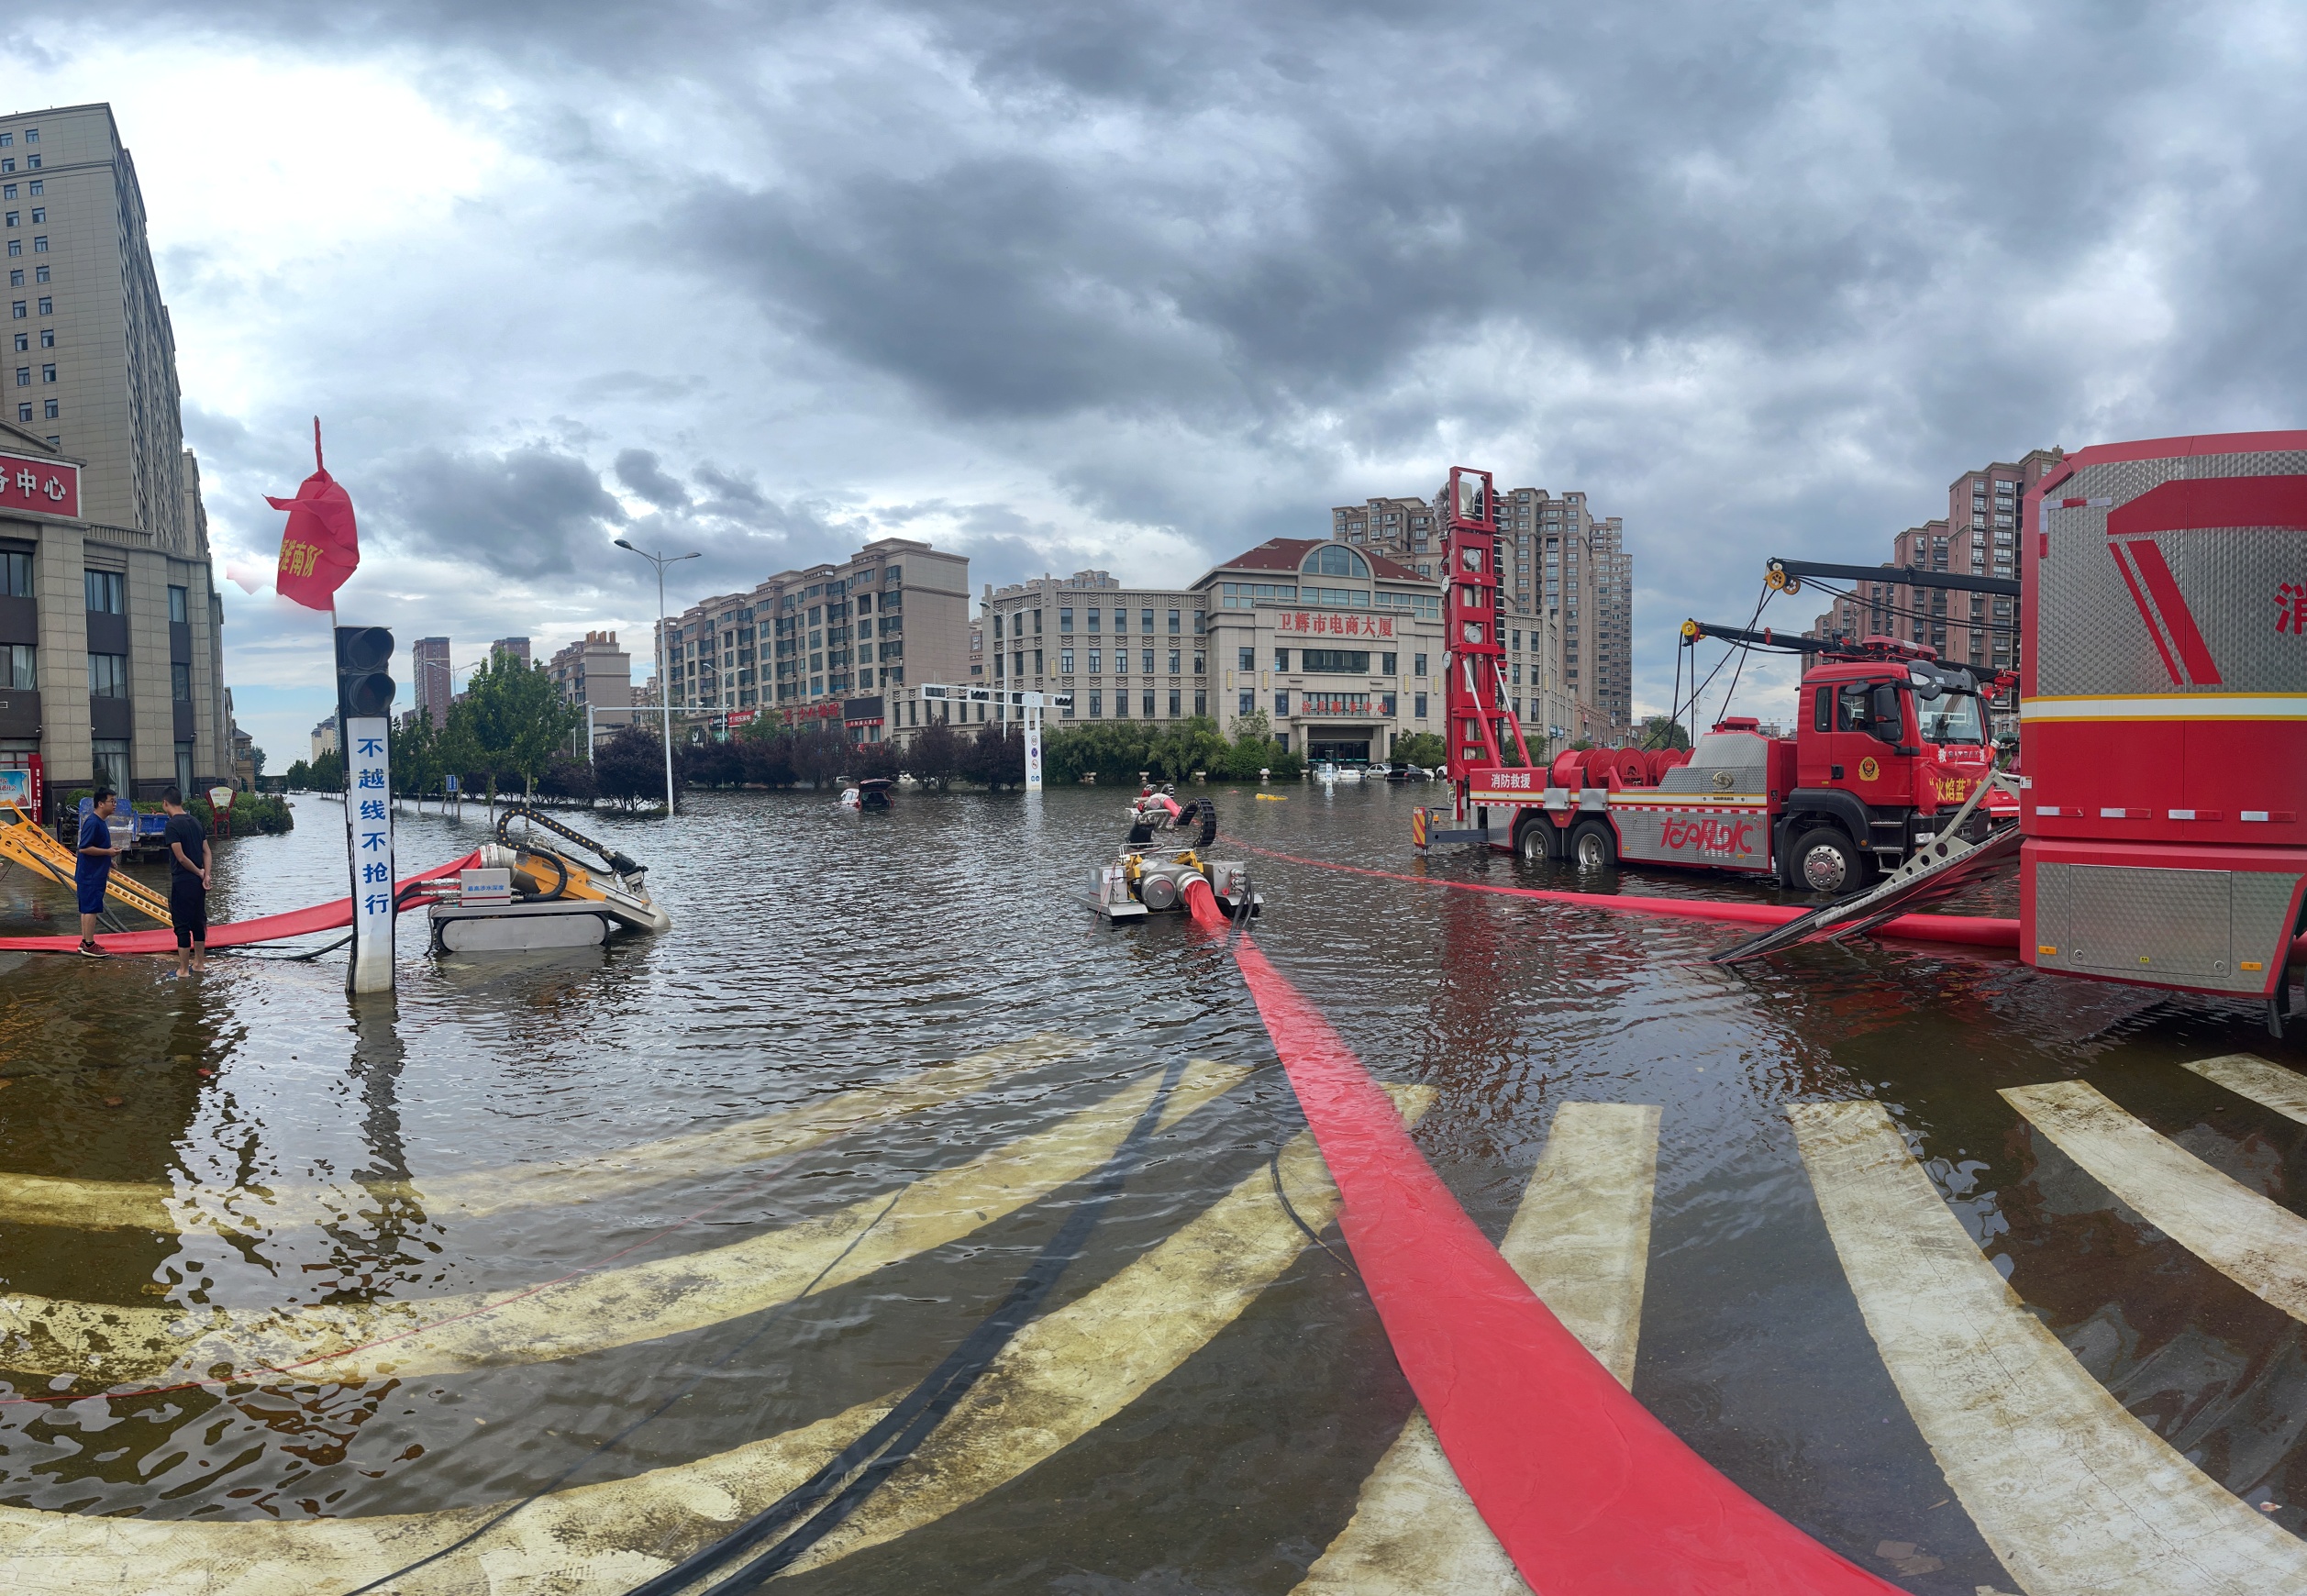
1785, 576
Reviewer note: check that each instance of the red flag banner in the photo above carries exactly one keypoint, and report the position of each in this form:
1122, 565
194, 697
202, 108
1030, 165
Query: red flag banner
320, 546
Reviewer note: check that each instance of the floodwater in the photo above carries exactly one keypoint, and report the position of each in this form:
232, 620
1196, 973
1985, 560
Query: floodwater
237, 1174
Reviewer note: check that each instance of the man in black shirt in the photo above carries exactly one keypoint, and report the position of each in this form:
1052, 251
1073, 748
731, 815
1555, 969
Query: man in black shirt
187, 882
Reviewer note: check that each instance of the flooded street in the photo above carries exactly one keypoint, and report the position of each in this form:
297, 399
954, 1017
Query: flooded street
747, 1184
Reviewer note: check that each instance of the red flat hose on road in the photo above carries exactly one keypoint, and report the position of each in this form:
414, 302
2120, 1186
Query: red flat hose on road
234, 933
1979, 931
1588, 1493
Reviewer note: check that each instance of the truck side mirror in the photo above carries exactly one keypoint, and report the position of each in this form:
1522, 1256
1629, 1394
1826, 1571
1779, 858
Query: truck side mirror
1889, 726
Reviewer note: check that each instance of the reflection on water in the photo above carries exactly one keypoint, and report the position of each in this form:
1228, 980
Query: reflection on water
258, 1142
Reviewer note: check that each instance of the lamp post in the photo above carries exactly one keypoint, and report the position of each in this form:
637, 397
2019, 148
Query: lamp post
664, 669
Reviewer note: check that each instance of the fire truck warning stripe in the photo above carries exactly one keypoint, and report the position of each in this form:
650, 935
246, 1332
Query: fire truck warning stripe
2077, 1497
2170, 706
1581, 1239
590, 1309
101, 1205
2258, 1245
2270, 1086
1584, 1488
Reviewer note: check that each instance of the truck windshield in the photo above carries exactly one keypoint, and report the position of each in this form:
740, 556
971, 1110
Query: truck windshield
1951, 718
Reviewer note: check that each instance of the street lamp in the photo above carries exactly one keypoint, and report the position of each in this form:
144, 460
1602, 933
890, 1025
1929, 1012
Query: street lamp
664, 669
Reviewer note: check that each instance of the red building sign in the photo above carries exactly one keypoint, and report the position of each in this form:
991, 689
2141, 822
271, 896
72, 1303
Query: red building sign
1314, 622
44, 487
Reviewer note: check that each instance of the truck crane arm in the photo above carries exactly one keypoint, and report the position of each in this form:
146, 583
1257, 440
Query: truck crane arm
1786, 576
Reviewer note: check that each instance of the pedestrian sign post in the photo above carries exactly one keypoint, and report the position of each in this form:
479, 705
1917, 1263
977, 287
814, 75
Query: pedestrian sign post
369, 813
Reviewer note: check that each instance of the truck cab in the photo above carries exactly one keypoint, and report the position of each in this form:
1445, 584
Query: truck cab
1884, 746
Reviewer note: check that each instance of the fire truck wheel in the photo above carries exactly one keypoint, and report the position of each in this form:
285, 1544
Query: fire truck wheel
1536, 844
1593, 847
1825, 860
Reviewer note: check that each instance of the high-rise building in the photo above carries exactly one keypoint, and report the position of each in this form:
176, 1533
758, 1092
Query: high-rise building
596, 675
816, 643
515, 647
111, 631
434, 681
1565, 573
1980, 537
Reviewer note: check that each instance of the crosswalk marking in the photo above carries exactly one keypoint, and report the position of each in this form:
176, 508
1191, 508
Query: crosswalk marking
1582, 1238
113, 1205
590, 1311
2258, 1245
2076, 1496
1059, 1378
2268, 1085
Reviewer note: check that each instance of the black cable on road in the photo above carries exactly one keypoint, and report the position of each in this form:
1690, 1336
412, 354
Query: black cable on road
558, 1480
865, 1462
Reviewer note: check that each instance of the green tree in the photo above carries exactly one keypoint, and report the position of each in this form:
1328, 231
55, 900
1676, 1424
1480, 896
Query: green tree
1663, 731
416, 756
1421, 748
300, 776
328, 773
516, 720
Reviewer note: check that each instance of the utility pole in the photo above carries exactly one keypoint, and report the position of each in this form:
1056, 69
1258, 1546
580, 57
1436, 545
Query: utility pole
664, 669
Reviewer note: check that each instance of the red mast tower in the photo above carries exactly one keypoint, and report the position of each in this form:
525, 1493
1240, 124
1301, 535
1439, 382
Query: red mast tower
1480, 723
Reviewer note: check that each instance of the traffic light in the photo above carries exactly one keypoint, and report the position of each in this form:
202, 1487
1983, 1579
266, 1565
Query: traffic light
364, 679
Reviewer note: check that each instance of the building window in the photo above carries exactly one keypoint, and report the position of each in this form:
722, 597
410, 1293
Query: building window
107, 592
1335, 662
48, 374
1417, 705
1065, 620
1248, 705
39, 215
1386, 705
16, 574
1065, 661
1281, 703
1417, 668
47, 305
112, 762
180, 681
1281, 659
108, 676
15, 218
40, 244
1097, 705
1173, 657
40, 274
19, 667
1247, 658
1144, 658
1386, 664
1147, 701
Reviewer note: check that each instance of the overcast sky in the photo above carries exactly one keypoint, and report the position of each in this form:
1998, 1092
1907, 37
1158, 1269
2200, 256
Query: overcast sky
1138, 285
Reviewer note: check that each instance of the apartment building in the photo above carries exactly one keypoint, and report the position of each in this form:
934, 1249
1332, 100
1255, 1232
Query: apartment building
517, 647
432, 678
1978, 537
596, 675
324, 740
1124, 652
810, 640
1563, 571
111, 631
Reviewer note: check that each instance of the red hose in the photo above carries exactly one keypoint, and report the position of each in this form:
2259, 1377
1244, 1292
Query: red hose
1979, 931
1588, 1493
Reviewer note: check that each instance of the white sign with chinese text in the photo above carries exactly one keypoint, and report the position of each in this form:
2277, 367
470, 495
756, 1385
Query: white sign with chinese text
1334, 625
369, 823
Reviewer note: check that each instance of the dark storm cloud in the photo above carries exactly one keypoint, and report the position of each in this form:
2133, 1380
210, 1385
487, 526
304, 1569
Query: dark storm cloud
525, 513
1760, 278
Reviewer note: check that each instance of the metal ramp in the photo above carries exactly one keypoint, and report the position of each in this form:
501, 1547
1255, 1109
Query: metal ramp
1936, 872
23, 841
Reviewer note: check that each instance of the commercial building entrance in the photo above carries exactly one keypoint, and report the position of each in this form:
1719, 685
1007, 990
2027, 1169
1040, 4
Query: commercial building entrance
1341, 746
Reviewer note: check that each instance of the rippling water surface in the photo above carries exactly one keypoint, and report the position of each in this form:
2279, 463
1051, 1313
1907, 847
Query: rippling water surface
212, 1153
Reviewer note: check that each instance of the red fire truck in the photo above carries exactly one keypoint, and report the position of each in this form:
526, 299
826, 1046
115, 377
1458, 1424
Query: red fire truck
2163, 713
1888, 746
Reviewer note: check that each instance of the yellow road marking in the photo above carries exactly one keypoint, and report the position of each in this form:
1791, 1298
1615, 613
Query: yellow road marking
1581, 1239
612, 1307
2268, 1085
2076, 1496
1064, 1374
2258, 1245
101, 1205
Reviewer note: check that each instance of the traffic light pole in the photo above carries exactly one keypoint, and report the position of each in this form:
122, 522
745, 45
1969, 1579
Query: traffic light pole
364, 726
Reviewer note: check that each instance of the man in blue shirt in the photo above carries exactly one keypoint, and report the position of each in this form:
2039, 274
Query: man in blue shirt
94, 868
